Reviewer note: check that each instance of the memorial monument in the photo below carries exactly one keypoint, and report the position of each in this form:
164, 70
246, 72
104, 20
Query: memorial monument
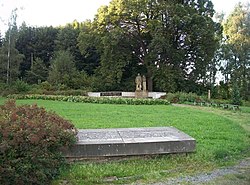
141, 86
141, 91
94, 143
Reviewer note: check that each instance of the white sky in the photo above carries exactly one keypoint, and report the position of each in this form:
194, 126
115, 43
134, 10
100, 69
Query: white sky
60, 12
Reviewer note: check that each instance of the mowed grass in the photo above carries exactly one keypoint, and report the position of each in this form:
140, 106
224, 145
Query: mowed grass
220, 135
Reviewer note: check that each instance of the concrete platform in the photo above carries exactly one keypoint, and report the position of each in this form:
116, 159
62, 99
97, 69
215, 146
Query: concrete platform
130, 141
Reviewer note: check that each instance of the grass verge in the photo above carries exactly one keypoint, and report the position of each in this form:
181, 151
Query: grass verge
221, 139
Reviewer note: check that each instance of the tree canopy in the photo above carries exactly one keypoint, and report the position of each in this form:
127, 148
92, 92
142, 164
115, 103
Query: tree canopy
237, 48
176, 44
174, 36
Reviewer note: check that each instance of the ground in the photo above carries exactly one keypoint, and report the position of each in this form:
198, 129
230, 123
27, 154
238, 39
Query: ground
234, 175
217, 131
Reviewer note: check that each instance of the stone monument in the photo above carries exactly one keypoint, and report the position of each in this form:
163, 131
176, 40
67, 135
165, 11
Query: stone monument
144, 83
94, 143
141, 86
138, 82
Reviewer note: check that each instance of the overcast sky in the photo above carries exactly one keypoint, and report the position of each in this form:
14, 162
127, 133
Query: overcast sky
60, 12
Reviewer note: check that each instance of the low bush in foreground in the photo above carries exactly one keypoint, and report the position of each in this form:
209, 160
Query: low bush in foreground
30, 144
100, 100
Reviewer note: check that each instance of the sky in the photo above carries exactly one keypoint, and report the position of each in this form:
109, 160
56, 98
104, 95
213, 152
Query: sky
60, 12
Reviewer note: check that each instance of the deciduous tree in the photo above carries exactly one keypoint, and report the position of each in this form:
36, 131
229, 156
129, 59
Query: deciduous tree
237, 48
10, 58
177, 35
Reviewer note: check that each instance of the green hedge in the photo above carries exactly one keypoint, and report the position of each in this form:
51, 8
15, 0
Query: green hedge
181, 97
100, 100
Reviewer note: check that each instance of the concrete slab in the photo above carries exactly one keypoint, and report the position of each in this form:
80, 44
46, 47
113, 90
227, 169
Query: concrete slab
130, 141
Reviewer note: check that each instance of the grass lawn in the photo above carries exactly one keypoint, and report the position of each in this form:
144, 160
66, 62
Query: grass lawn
222, 137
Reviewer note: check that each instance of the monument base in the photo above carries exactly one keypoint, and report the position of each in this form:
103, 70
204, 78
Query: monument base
130, 142
141, 94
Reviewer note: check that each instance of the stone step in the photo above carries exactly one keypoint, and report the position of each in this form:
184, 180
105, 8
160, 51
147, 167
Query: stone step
130, 142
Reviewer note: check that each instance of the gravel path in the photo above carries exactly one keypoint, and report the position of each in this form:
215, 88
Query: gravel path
218, 176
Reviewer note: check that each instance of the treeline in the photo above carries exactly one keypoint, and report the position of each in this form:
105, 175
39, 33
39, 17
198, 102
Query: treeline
176, 44
40, 54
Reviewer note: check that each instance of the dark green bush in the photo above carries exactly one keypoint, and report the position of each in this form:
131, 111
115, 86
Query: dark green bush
71, 92
246, 103
5, 90
181, 97
16, 87
46, 86
30, 143
21, 86
2, 86
236, 98
173, 98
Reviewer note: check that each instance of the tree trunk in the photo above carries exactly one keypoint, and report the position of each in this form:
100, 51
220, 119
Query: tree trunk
8, 62
150, 81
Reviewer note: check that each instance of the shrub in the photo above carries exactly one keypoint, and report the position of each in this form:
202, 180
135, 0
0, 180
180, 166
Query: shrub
21, 86
173, 98
181, 97
70, 93
236, 98
5, 90
3, 86
100, 100
246, 103
46, 86
30, 144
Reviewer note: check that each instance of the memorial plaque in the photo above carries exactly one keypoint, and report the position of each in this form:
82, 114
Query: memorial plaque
131, 141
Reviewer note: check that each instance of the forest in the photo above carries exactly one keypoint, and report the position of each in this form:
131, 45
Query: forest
179, 45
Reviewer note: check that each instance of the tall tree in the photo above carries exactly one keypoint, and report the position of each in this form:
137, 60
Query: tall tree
10, 57
62, 68
25, 45
237, 48
35, 43
1, 40
38, 72
175, 35
63, 72
67, 40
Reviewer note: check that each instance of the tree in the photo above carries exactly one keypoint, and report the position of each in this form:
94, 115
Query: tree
25, 45
184, 43
1, 40
67, 40
175, 35
236, 97
237, 48
63, 72
35, 43
37, 73
9, 55
62, 68
9, 71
